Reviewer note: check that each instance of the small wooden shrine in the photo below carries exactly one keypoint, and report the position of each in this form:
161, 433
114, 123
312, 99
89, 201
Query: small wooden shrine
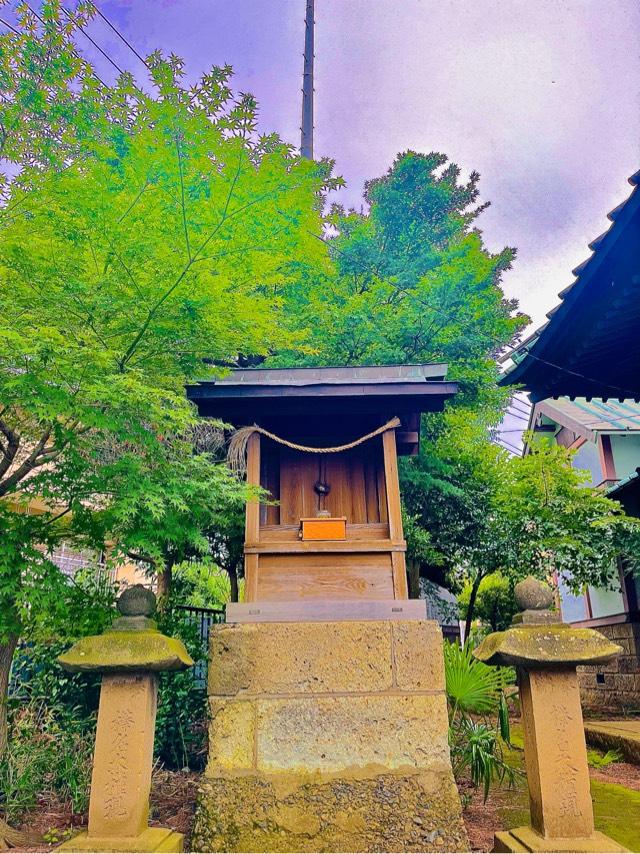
334, 529
326, 685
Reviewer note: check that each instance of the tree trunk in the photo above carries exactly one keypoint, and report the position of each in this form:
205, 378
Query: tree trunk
163, 586
414, 579
232, 571
472, 604
7, 649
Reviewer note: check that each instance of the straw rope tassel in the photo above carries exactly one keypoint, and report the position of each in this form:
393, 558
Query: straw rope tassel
237, 454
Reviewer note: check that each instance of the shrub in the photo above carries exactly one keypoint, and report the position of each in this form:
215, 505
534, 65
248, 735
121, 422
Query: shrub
49, 757
475, 690
181, 727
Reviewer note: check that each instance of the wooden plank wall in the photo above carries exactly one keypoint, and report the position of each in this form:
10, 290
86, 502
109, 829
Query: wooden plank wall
356, 479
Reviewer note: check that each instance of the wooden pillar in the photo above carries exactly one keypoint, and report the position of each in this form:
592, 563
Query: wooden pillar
252, 529
394, 514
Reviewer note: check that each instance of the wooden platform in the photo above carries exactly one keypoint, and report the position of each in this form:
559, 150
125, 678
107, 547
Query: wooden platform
318, 611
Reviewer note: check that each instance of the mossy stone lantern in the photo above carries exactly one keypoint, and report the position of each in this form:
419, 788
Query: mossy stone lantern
129, 655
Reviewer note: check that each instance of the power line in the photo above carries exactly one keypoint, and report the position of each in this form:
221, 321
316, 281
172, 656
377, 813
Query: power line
120, 36
33, 12
8, 25
95, 44
515, 413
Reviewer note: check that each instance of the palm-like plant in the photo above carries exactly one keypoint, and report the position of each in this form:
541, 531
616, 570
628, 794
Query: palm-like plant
475, 692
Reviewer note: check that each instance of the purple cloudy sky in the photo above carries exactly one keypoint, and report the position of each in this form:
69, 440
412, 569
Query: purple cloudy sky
540, 96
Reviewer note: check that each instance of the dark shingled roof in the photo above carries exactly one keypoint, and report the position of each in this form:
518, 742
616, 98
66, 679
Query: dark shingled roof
331, 399
590, 347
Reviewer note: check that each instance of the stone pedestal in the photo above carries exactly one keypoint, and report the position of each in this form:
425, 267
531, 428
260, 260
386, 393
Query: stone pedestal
129, 655
328, 736
546, 655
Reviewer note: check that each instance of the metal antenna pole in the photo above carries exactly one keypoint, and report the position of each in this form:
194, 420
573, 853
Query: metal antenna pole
306, 130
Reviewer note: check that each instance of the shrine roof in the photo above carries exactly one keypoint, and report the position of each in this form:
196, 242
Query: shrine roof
246, 394
362, 375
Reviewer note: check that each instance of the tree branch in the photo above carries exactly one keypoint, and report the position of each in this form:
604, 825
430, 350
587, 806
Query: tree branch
31, 462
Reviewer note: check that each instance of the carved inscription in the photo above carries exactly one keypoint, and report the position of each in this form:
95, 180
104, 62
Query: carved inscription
123, 756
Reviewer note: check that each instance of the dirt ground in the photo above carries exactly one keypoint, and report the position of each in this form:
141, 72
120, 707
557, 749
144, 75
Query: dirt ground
173, 798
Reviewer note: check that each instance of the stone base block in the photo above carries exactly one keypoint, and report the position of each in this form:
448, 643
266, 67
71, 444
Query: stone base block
328, 736
380, 812
152, 839
526, 839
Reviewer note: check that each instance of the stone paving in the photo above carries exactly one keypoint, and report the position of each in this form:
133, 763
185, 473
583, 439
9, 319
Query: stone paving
622, 735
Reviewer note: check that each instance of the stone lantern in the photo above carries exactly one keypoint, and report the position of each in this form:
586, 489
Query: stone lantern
546, 653
129, 655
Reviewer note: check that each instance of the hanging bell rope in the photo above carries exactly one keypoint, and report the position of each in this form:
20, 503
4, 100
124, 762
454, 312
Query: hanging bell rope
237, 453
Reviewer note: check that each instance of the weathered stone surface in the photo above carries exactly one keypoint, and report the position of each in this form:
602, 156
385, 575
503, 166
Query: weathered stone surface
345, 725
416, 666
232, 733
152, 839
123, 756
620, 735
526, 839
137, 601
329, 734
531, 594
531, 645
555, 754
125, 651
291, 658
385, 812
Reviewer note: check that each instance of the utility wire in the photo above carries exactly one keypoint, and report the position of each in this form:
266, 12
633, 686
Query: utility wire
442, 312
120, 36
10, 27
627, 391
33, 12
95, 44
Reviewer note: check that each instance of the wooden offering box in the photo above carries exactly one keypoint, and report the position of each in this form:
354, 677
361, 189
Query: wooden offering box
323, 528
335, 529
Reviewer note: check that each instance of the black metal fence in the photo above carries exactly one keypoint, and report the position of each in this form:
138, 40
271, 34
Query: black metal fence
202, 619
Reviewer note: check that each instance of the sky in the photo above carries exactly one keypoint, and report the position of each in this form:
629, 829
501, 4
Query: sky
540, 96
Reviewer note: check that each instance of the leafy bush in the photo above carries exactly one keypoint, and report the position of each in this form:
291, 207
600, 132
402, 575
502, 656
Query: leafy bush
52, 714
600, 760
495, 604
476, 690
181, 725
49, 755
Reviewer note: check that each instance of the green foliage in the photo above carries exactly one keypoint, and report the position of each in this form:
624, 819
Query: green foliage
181, 723
201, 583
555, 522
495, 604
471, 685
143, 243
413, 281
597, 759
489, 512
476, 690
50, 750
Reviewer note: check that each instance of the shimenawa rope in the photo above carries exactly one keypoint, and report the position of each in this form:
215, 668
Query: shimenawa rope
236, 455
